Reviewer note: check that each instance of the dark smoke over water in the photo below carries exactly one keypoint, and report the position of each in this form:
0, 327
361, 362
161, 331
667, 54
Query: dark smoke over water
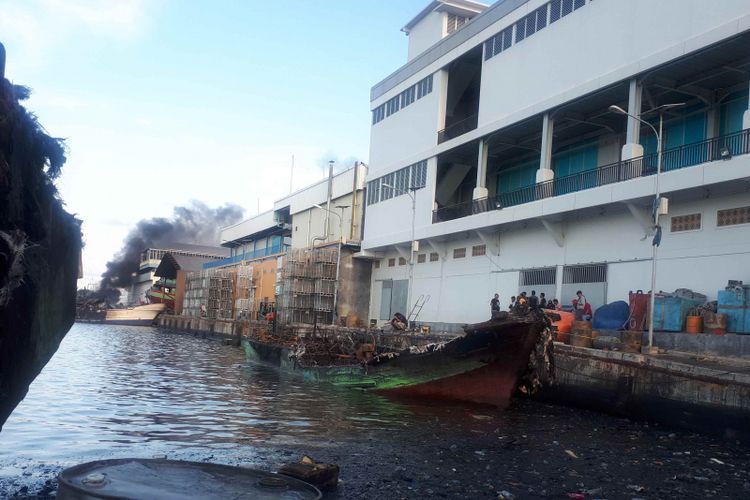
196, 224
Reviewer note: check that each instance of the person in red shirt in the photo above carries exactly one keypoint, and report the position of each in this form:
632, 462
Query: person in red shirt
582, 307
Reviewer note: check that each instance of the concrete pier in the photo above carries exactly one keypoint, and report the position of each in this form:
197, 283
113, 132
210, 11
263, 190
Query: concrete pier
693, 392
228, 329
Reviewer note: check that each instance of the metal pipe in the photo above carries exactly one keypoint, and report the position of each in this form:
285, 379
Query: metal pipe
336, 288
330, 195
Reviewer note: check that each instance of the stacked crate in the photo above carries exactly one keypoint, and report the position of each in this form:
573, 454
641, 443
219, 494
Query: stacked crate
210, 293
309, 286
244, 302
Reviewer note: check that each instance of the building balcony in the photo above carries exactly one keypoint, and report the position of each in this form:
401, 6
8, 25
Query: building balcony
688, 155
459, 128
255, 254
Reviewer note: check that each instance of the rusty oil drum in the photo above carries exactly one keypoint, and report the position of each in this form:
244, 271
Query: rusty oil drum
135, 478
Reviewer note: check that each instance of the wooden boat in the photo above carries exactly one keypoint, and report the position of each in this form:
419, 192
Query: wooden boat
134, 316
483, 366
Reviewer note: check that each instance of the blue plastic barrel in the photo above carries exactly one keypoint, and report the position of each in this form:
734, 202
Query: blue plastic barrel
734, 303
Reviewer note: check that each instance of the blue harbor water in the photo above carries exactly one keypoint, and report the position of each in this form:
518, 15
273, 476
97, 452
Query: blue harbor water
114, 392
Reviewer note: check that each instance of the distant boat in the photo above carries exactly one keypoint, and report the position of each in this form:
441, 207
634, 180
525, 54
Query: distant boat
162, 292
483, 366
135, 316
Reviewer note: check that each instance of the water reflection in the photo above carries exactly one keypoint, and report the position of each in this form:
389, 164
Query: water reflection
112, 390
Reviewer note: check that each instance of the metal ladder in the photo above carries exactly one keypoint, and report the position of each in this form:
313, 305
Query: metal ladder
417, 308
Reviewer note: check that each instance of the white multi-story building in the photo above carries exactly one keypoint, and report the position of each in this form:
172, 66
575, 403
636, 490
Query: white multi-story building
499, 125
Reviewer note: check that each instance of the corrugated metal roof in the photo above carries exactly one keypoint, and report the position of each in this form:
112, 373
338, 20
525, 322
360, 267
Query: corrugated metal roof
171, 263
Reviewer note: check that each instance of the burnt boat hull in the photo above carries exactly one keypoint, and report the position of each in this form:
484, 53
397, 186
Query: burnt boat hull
484, 366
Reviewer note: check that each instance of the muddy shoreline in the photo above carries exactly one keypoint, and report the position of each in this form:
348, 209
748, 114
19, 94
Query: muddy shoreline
468, 453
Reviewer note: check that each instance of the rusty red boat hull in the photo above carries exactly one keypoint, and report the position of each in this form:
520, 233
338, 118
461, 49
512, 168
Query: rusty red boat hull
483, 366
489, 360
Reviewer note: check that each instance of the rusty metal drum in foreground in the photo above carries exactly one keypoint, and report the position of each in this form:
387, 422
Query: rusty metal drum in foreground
134, 478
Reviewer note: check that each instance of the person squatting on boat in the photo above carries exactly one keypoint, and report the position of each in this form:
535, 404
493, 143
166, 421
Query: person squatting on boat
582, 307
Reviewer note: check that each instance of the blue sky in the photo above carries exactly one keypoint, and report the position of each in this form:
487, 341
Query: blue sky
167, 101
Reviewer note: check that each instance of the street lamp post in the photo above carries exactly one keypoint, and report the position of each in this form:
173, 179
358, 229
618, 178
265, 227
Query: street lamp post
657, 202
412, 194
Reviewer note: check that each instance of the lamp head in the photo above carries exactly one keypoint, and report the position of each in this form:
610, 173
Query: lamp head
617, 109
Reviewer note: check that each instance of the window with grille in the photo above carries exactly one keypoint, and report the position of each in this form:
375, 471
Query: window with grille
561, 8
407, 96
459, 253
478, 250
391, 262
594, 273
537, 277
419, 174
733, 216
498, 43
455, 22
434, 257
392, 105
424, 87
373, 191
386, 193
378, 114
410, 177
690, 222
377, 264
531, 23
421, 258
402, 181
401, 261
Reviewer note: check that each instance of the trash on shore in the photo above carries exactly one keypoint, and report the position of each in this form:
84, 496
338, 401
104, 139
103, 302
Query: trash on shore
323, 476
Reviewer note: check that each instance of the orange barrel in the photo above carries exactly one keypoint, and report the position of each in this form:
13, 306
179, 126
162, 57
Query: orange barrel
581, 336
565, 324
694, 324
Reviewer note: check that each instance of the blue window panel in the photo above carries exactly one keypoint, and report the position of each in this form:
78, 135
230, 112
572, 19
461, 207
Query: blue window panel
732, 111
518, 176
575, 167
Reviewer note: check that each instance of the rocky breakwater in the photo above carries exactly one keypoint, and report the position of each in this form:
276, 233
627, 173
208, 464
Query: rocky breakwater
40, 245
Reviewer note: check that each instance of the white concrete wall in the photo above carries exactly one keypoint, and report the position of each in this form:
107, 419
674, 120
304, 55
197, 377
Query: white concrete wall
397, 140
426, 33
595, 40
602, 43
310, 223
305, 200
253, 225
703, 260
317, 193
391, 219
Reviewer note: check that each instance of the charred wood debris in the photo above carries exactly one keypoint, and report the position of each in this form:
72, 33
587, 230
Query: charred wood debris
329, 345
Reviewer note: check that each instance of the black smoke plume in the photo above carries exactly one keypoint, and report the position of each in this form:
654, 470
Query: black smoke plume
196, 224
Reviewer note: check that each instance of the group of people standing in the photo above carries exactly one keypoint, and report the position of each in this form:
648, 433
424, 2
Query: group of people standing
581, 306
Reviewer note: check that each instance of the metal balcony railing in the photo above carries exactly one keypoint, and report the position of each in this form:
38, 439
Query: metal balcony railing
459, 128
683, 156
261, 252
